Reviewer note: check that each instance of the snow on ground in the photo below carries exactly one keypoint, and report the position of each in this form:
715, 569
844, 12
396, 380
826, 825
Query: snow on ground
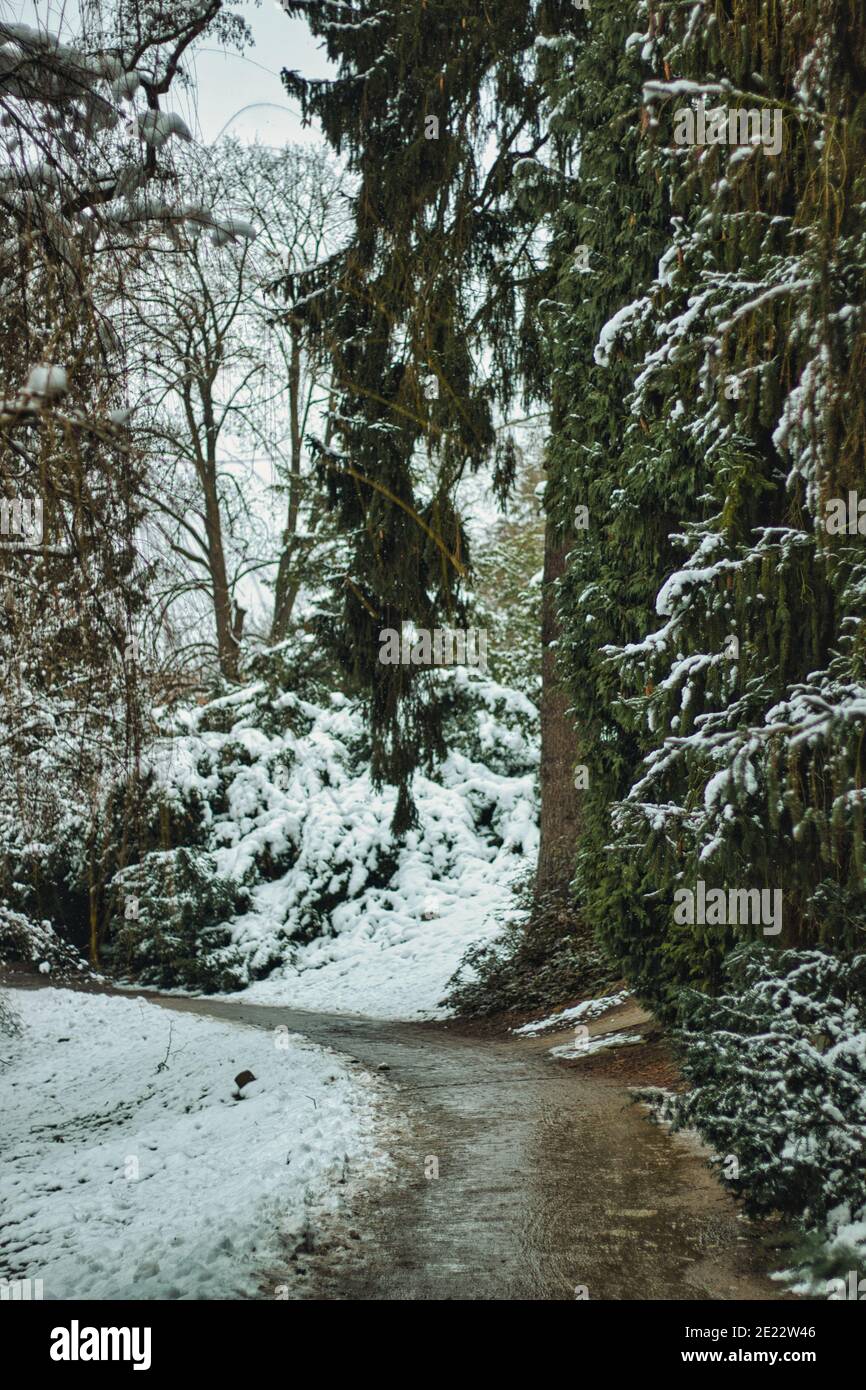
587, 1009
584, 1046
389, 964
129, 1168
389, 949
342, 917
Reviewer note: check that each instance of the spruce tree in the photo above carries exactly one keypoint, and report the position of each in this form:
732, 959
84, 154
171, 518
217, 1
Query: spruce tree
749, 683
422, 316
609, 221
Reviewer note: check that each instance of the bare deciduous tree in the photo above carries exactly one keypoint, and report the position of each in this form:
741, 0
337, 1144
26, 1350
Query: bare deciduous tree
87, 192
230, 388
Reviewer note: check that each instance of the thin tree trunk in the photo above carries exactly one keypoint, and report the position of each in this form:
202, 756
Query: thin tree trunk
287, 585
560, 802
228, 645
290, 573
93, 909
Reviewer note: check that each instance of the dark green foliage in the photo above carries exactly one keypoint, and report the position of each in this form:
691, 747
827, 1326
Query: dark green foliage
609, 226
47, 879
539, 962
168, 924
778, 1073
704, 429
754, 771
432, 280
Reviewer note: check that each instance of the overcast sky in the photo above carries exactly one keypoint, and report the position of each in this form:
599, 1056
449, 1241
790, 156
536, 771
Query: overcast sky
241, 93
246, 91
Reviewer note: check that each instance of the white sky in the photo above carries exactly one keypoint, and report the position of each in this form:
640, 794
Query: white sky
228, 82
241, 92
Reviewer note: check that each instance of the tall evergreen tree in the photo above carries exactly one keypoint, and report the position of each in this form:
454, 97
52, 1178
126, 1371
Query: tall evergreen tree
748, 363
609, 224
705, 342
435, 107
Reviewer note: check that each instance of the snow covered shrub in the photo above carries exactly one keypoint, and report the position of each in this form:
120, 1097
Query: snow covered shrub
170, 922
196, 769
10, 1024
491, 723
41, 875
294, 673
777, 1064
26, 941
274, 798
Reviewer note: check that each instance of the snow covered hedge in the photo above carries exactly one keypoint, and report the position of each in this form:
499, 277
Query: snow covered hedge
173, 907
264, 832
26, 941
795, 1023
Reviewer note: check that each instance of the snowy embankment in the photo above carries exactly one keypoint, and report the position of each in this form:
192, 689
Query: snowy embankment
321, 907
390, 951
581, 1013
134, 1167
391, 966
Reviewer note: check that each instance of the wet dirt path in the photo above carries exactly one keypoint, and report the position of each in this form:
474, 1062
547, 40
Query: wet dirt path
549, 1181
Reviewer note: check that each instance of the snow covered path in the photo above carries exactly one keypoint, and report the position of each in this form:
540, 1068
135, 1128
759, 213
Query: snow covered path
134, 1167
518, 1178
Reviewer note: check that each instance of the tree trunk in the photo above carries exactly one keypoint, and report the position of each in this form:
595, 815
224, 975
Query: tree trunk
287, 585
296, 549
93, 909
227, 644
560, 802
228, 647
